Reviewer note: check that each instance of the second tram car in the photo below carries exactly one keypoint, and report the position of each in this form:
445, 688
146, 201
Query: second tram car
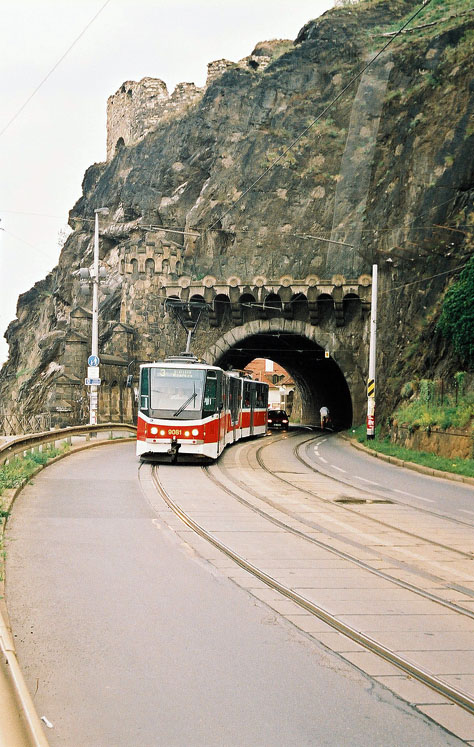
190, 408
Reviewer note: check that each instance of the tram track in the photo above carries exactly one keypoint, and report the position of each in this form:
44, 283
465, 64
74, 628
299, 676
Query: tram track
339, 553
405, 664
368, 501
422, 509
298, 449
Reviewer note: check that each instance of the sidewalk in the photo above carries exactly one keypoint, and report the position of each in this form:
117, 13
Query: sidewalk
20, 725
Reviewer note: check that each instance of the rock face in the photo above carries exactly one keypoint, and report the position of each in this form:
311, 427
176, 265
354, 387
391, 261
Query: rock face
268, 195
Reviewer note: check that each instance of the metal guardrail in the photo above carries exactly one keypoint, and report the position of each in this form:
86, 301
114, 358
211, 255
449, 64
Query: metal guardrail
19, 445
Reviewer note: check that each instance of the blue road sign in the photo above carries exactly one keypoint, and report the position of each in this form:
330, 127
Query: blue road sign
92, 382
93, 360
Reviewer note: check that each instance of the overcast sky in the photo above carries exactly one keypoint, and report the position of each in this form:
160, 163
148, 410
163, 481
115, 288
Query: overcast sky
60, 60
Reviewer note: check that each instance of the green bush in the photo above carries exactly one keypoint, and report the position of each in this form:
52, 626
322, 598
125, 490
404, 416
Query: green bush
457, 316
426, 410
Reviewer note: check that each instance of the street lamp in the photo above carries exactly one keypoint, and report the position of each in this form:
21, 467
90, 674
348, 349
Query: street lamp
94, 357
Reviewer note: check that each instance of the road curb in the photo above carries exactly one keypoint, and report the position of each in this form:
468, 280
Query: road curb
408, 465
20, 724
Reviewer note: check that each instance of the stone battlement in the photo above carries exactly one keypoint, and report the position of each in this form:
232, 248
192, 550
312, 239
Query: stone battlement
137, 109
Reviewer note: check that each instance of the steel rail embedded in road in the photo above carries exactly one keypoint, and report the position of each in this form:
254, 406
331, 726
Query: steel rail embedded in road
379, 522
453, 694
296, 451
334, 551
439, 476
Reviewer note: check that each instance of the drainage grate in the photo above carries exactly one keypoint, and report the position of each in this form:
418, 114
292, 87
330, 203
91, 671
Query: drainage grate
355, 501
350, 499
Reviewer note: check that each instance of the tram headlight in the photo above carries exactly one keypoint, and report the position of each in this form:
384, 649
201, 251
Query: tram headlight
186, 433
162, 432
195, 432
154, 430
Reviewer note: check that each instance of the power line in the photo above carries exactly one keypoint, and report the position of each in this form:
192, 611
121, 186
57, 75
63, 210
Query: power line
262, 307
424, 280
53, 69
27, 243
37, 215
321, 114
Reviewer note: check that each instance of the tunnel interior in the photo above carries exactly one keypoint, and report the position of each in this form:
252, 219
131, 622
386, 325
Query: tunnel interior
319, 380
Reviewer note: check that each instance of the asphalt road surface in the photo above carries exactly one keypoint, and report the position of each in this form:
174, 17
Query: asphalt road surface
128, 638
335, 457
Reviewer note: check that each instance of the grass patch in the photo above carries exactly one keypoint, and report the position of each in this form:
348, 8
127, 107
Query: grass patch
383, 445
428, 408
440, 12
20, 469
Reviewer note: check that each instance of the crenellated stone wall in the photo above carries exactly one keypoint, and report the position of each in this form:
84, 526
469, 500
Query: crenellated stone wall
138, 108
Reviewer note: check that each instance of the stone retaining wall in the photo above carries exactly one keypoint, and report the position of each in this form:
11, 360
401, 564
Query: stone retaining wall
451, 444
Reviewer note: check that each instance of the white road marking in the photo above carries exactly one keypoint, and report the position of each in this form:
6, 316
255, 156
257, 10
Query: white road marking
338, 468
371, 482
412, 495
323, 459
465, 511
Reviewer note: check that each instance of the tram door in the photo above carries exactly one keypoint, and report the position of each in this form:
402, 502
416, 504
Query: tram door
234, 405
253, 400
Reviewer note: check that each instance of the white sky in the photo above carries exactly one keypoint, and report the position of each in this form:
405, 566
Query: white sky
61, 131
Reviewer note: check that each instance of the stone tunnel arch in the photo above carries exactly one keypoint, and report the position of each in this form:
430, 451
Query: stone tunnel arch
300, 349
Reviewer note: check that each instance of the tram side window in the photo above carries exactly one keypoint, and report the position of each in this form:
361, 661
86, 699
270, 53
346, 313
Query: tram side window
262, 395
247, 394
234, 402
144, 390
212, 393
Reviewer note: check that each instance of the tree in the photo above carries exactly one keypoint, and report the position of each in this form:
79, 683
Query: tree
457, 315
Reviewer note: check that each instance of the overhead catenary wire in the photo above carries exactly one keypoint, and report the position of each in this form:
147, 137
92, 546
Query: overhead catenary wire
261, 306
424, 280
321, 114
56, 65
196, 233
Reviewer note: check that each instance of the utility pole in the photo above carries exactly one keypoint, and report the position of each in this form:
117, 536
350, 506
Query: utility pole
93, 361
372, 351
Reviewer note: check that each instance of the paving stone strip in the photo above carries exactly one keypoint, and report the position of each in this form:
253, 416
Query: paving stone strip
420, 630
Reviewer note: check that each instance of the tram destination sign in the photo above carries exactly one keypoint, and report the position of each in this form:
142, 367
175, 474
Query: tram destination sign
180, 373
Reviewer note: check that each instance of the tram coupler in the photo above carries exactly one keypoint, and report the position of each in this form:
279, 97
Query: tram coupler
173, 450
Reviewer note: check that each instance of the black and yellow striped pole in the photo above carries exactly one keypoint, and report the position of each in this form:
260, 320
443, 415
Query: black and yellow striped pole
372, 350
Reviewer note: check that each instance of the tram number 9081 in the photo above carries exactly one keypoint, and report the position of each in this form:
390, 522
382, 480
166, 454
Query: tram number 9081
174, 431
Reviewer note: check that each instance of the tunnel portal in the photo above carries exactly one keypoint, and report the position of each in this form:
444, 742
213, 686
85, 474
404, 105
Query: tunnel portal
319, 379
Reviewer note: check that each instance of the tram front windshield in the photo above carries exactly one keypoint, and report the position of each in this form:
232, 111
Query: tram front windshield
176, 393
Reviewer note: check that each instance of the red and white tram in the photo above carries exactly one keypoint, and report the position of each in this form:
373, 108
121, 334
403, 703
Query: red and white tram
193, 409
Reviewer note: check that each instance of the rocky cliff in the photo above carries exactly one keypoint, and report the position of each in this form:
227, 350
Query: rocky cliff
281, 167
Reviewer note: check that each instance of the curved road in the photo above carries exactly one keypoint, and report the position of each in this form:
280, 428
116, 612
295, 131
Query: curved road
337, 458
128, 637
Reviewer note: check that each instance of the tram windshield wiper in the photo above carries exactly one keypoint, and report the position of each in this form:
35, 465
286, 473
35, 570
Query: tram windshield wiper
185, 404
